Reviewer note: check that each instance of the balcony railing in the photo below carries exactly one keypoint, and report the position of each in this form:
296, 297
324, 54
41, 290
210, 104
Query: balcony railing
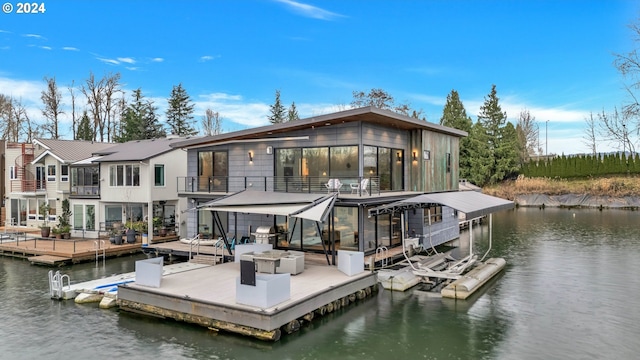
362, 186
85, 191
22, 185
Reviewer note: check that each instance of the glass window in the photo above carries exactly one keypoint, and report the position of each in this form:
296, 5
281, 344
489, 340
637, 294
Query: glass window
397, 173
90, 217
124, 175
448, 162
213, 170
51, 173
344, 162
12, 173
158, 175
370, 161
435, 212
112, 214
384, 168
345, 225
64, 172
77, 216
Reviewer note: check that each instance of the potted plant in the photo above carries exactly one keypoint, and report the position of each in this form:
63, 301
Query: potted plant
57, 232
157, 226
64, 226
115, 234
45, 229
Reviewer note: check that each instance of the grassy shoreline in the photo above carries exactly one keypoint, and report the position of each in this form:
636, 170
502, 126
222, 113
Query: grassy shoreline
614, 186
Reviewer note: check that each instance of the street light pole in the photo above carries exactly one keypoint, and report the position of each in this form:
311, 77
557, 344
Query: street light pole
624, 139
546, 140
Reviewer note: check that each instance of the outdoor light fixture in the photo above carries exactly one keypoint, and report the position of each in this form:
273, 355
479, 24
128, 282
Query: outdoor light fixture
250, 157
399, 156
415, 156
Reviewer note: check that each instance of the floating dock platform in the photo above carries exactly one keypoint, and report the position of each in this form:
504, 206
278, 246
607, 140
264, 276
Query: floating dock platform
207, 296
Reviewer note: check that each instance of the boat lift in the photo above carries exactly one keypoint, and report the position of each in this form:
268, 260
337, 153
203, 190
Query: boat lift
467, 274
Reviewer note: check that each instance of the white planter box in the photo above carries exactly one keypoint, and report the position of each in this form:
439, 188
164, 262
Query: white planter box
270, 290
350, 262
149, 272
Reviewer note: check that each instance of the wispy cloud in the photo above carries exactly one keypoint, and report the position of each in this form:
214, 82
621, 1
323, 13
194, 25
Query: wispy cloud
132, 68
109, 61
127, 60
35, 36
310, 10
45, 47
208, 58
70, 48
157, 59
240, 114
5, 31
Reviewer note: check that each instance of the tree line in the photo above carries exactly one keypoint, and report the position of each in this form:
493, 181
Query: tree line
106, 116
583, 166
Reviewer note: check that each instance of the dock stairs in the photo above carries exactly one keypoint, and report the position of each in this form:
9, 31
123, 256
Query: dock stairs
206, 259
57, 287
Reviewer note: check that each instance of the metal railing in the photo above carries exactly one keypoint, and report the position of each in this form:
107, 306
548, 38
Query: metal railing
362, 186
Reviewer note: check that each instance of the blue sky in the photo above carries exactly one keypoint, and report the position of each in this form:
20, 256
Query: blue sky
553, 58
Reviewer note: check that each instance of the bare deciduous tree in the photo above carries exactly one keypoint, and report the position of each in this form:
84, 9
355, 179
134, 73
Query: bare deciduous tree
100, 94
211, 123
527, 131
52, 100
617, 129
73, 109
590, 134
629, 66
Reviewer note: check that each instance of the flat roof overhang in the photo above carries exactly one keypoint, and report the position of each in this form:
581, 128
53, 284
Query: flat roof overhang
472, 203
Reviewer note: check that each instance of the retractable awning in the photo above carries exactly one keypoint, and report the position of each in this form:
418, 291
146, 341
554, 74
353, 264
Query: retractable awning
314, 207
472, 203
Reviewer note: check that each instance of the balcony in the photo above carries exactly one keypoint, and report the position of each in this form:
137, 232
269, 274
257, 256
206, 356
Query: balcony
28, 186
85, 191
362, 186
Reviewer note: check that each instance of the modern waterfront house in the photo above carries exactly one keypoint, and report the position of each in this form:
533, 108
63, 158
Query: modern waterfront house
367, 157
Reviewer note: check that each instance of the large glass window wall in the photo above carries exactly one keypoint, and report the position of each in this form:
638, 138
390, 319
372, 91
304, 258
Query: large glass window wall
309, 169
385, 164
213, 169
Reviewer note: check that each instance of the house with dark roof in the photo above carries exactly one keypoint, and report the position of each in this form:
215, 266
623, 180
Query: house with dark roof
129, 183
39, 173
363, 158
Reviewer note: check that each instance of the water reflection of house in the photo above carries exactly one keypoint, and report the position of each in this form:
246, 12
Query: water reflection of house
376, 156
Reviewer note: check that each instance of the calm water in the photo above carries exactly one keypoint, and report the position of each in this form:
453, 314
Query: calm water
570, 290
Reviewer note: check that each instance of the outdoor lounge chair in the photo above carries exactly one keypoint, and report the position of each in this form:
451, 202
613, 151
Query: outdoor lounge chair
360, 187
333, 185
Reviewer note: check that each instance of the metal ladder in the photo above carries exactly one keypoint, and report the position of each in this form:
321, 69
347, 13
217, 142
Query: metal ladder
56, 284
383, 253
98, 245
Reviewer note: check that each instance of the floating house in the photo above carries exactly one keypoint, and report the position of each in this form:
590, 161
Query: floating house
364, 157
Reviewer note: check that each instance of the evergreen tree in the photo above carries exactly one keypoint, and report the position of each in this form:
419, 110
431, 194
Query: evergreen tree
180, 112
480, 157
507, 154
84, 132
278, 112
454, 115
140, 120
292, 114
493, 120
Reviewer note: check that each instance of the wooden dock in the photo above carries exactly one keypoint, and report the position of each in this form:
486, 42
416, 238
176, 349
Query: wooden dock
58, 252
207, 297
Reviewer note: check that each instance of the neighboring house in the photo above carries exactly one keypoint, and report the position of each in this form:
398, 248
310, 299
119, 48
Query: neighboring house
129, 183
371, 157
39, 173
3, 180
